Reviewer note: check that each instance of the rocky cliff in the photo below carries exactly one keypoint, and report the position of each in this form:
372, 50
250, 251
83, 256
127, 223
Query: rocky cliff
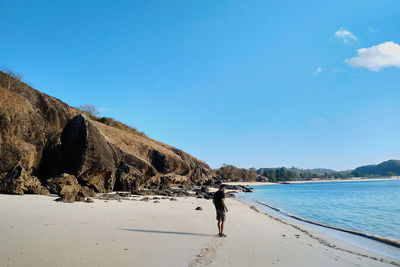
43, 140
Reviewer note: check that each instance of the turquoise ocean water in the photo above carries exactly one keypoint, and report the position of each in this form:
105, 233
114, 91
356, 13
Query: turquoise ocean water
371, 207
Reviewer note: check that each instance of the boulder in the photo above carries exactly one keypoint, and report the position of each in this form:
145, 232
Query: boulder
204, 189
86, 192
89, 200
230, 195
87, 154
246, 189
66, 186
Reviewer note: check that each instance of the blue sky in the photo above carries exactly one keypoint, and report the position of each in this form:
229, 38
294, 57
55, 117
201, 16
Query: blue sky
249, 83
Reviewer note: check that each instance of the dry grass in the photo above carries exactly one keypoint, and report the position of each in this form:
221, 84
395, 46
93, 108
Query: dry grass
132, 142
8, 78
119, 125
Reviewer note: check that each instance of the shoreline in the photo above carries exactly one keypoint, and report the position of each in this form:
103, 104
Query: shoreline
387, 241
322, 238
40, 232
312, 181
378, 244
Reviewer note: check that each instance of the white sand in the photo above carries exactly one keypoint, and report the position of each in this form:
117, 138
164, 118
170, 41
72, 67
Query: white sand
37, 231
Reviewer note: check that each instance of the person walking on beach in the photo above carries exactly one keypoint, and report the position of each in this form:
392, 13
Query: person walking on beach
220, 208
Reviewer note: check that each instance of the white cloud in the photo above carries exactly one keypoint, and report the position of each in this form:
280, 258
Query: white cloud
317, 71
377, 57
345, 35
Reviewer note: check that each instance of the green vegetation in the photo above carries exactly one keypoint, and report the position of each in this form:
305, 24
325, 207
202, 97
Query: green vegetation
282, 174
296, 174
386, 168
231, 173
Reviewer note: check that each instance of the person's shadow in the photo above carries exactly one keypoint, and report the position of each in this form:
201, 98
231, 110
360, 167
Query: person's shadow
167, 232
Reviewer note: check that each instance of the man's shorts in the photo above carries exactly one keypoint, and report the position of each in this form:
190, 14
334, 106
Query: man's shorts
220, 215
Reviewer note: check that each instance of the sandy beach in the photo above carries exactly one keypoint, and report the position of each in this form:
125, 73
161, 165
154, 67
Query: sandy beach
37, 231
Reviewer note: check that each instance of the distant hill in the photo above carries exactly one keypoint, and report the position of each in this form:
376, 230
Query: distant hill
386, 168
281, 174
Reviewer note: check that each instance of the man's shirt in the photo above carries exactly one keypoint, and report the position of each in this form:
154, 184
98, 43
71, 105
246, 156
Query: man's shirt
218, 197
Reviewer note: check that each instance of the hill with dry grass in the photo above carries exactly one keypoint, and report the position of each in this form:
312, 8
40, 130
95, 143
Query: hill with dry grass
43, 140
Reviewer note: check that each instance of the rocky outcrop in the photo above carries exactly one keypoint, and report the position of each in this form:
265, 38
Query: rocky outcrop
46, 138
100, 157
18, 181
87, 154
30, 124
68, 188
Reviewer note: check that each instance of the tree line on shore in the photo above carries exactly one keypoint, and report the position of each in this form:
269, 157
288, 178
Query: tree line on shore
282, 174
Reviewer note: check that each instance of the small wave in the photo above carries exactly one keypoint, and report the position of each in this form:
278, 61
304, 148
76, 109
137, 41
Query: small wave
385, 240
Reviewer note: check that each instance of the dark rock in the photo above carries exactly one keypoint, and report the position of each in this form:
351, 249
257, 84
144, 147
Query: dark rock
156, 201
136, 192
143, 192
89, 200
181, 193
87, 154
173, 199
199, 208
165, 183
18, 181
108, 196
246, 189
123, 194
145, 199
86, 192
240, 188
204, 189
234, 187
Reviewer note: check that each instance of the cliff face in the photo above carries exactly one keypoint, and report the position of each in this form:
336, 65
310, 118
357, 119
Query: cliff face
41, 138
